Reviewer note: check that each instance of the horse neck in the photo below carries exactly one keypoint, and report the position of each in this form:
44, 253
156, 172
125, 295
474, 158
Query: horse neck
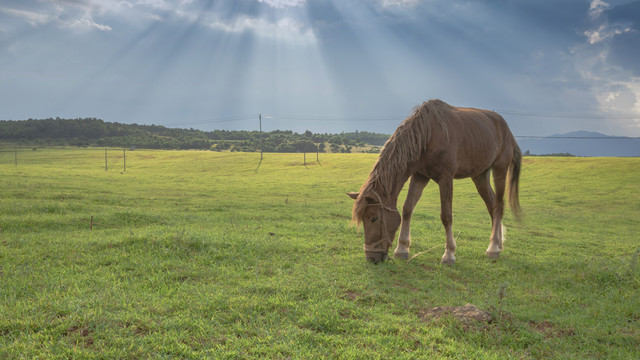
400, 155
387, 184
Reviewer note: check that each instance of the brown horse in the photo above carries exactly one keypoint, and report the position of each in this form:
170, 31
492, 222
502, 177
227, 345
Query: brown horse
439, 142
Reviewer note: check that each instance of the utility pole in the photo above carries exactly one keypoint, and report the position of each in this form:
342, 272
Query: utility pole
261, 141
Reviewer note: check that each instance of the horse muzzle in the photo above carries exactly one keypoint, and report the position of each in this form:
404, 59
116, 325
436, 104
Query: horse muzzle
376, 257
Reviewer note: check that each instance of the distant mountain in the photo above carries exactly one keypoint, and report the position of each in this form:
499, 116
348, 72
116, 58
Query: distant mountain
581, 143
581, 134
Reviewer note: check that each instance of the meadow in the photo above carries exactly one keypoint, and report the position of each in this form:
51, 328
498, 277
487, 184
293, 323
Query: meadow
195, 254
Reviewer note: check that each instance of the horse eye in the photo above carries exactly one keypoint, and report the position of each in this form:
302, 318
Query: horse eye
374, 219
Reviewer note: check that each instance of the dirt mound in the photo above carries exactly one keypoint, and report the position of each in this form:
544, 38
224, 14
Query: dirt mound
467, 312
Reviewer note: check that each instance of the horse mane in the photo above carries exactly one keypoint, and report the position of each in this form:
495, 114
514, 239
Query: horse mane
403, 149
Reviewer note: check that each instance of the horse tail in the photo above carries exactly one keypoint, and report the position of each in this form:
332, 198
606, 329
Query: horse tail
514, 175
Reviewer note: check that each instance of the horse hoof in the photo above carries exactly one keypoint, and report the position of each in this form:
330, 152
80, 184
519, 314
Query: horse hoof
401, 255
447, 261
493, 255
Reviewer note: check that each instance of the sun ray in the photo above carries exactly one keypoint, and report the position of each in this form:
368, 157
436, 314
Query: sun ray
286, 65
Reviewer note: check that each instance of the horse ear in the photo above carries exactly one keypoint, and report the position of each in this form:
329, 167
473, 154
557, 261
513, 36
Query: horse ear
353, 195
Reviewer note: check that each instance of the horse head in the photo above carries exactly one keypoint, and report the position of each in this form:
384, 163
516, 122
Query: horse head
380, 224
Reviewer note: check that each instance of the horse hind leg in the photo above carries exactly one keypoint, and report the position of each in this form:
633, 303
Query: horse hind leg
446, 215
497, 231
417, 184
489, 197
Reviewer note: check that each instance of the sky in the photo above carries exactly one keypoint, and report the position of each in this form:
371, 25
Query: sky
549, 67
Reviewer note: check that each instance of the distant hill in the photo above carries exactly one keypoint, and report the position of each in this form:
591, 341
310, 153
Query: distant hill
96, 132
581, 143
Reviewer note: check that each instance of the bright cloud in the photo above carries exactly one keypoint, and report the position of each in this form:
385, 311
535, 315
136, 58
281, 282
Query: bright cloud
287, 29
82, 14
62, 17
605, 32
283, 3
398, 3
33, 18
620, 97
85, 23
597, 7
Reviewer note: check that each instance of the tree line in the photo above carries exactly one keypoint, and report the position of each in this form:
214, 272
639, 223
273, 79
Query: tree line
96, 132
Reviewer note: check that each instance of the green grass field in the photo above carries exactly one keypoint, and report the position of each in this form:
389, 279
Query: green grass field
194, 254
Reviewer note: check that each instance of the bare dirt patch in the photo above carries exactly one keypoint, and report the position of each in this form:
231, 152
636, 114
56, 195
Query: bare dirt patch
550, 331
351, 295
83, 333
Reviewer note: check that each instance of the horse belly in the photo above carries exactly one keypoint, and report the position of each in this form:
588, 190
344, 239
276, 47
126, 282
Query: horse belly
474, 161
463, 173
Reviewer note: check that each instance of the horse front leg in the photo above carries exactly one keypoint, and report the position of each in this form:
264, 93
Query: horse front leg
417, 184
446, 215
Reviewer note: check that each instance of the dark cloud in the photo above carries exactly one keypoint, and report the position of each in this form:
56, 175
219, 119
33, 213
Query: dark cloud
625, 47
625, 13
560, 20
625, 51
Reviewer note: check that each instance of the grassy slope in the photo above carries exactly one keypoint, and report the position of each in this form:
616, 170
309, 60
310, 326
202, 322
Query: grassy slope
195, 254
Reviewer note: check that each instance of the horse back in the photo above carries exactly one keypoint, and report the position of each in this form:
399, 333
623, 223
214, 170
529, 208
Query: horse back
473, 141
